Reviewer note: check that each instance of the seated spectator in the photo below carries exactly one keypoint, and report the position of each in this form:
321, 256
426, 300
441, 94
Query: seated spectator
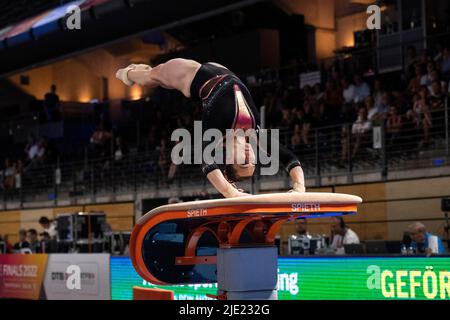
163, 161
394, 121
348, 90
287, 120
333, 99
51, 103
445, 65
321, 118
426, 78
384, 106
394, 124
341, 234
414, 84
41, 155
318, 93
436, 102
301, 227
35, 244
296, 139
360, 129
377, 93
99, 140
23, 243
48, 244
9, 174
362, 89
372, 110
120, 149
31, 150
420, 116
436, 98
48, 226
9, 246
411, 60
436, 78
424, 242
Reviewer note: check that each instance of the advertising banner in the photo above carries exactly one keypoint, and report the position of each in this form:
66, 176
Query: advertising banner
77, 277
21, 275
323, 278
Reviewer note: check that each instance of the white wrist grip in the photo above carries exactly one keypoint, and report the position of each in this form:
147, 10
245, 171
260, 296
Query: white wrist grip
122, 75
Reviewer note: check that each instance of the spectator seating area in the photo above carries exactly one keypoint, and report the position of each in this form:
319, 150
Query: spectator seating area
331, 121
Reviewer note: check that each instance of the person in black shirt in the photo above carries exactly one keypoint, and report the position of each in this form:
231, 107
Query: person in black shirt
35, 244
51, 103
23, 243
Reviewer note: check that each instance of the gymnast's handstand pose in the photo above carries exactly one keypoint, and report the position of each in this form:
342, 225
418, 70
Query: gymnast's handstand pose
227, 104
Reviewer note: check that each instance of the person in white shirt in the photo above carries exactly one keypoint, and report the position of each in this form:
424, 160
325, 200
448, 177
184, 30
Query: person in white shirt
426, 78
48, 227
362, 124
348, 91
362, 89
341, 234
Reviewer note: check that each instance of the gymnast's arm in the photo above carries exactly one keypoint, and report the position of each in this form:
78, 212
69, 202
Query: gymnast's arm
291, 164
222, 185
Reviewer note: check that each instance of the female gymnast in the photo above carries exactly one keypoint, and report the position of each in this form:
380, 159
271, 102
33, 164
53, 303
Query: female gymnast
227, 104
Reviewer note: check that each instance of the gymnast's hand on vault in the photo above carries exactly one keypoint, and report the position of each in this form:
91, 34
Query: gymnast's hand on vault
241, 193
233, 192
298, 187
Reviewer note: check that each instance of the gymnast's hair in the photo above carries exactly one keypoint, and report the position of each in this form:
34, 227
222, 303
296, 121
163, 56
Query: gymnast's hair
231, 174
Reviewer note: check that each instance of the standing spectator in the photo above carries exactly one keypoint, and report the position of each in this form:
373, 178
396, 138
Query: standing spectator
362, 89
51, 103
23, 243
35, 244
48, 226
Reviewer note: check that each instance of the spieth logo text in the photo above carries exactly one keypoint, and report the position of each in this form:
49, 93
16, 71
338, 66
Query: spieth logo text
305, 207
197, 213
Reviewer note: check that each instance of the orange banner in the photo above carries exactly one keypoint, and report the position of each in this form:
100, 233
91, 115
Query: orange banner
22, 275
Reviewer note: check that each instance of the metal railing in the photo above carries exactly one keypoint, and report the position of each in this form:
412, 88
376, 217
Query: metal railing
330, 151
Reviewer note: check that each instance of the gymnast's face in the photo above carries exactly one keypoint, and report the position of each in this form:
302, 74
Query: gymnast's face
243, 158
